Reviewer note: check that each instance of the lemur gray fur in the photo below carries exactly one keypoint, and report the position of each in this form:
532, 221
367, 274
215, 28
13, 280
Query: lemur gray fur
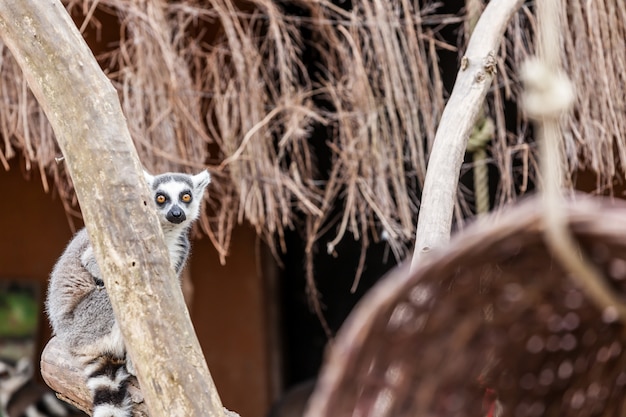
79, 308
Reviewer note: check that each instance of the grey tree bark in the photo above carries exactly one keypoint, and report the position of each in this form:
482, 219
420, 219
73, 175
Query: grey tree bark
84, 111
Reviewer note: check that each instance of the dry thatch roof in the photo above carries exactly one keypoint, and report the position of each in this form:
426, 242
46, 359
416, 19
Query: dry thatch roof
255, 91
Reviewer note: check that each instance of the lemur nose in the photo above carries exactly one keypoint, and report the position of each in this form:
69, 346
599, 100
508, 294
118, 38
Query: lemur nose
176, 215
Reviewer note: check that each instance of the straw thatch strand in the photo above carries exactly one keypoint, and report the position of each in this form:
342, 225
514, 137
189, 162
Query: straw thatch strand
384, 113
594, 132
595, 60
250, 100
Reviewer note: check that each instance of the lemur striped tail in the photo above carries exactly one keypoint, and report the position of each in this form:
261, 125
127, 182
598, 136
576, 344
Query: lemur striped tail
107, 379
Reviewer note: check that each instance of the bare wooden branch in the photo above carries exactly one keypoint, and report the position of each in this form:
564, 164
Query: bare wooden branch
84, 111
472, 83
63, 374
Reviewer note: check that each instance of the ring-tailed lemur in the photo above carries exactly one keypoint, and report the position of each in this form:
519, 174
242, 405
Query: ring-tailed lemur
22, 396
78, 306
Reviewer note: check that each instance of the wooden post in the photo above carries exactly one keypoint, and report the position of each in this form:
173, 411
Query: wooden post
84, 111
478, 68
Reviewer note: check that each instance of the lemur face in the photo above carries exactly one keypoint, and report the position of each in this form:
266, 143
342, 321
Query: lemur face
177, 197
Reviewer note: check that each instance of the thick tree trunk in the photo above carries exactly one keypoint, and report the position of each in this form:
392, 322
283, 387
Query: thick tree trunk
478, 67
84, 111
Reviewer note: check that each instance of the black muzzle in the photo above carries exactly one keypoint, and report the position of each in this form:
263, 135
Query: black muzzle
176, 215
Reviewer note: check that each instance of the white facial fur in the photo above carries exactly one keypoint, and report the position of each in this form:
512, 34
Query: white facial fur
172, 187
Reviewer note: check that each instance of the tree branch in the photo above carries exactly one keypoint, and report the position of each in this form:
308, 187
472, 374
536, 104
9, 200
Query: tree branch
64, 375
84, 111
478, 67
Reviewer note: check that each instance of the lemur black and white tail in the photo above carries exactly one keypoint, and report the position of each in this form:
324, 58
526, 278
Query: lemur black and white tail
22, 396
107, 380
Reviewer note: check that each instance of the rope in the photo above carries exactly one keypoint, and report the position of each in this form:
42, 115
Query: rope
477, 144
483, 130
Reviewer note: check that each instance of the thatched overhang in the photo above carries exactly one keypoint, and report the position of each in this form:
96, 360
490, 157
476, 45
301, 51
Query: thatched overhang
256, 91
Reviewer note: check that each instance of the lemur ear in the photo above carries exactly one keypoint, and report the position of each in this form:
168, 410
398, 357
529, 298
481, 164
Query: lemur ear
149, 178
201, 180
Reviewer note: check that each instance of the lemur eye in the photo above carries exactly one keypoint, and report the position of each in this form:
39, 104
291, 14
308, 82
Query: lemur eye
160, 199
186, 197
